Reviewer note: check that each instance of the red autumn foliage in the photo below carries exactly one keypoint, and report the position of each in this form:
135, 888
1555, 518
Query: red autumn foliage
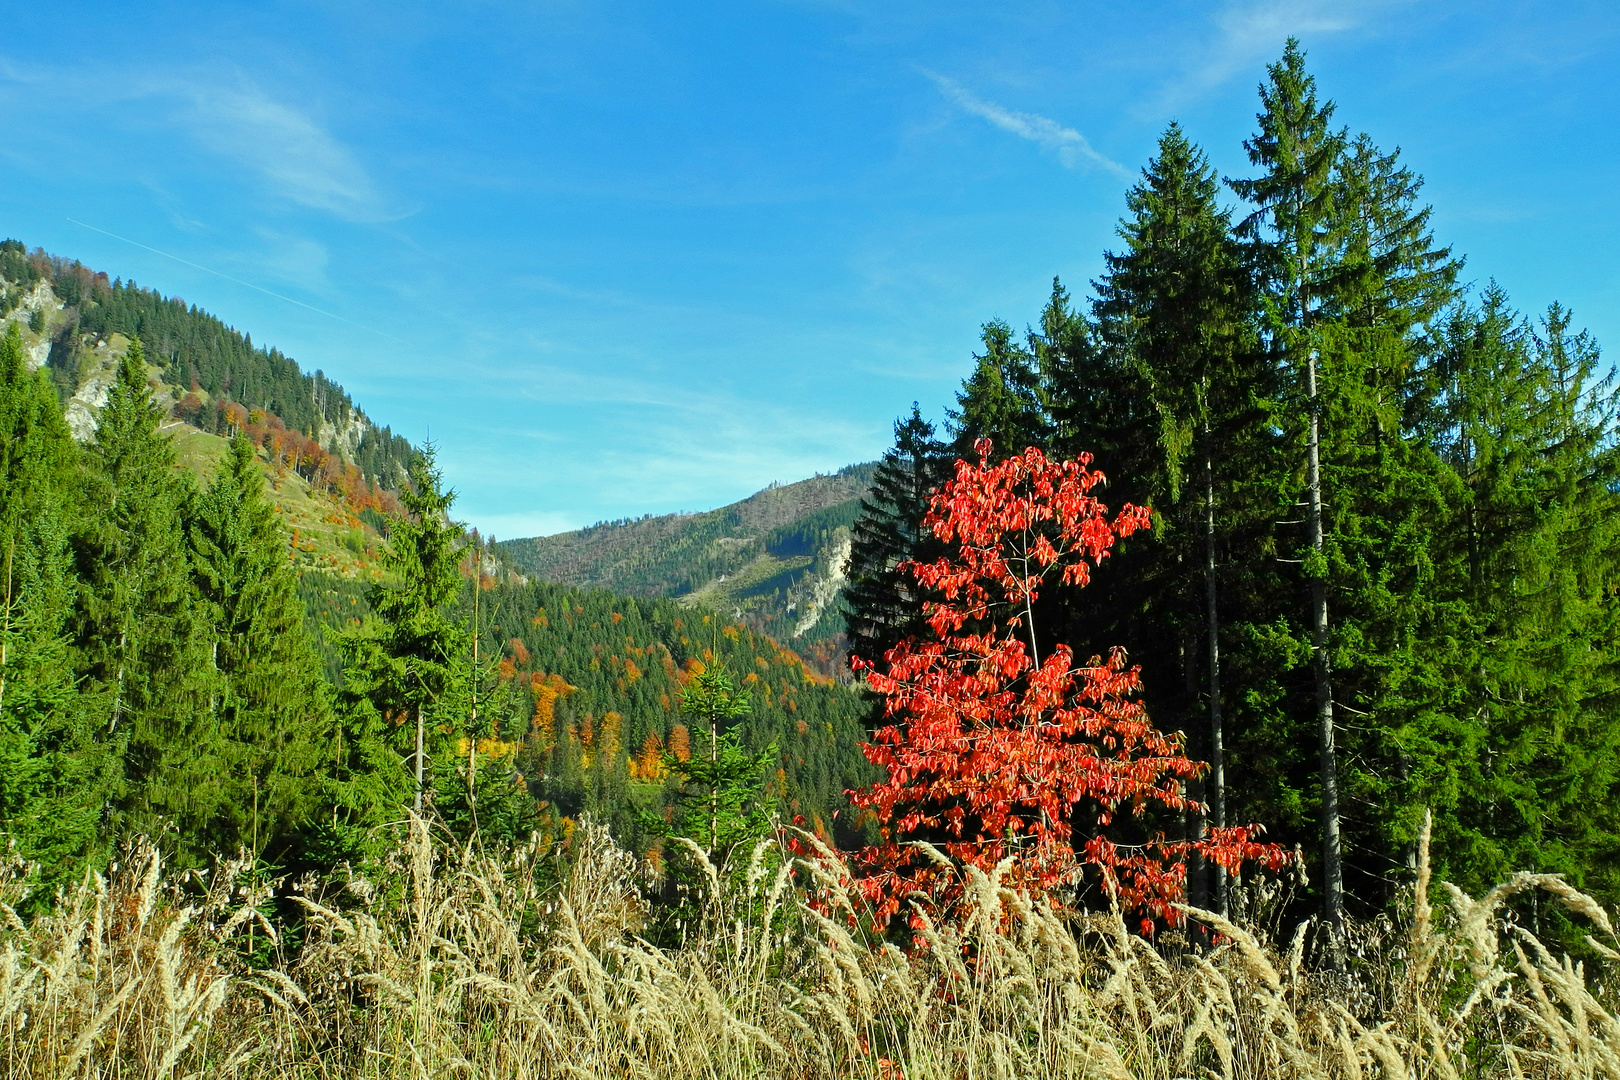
991, 752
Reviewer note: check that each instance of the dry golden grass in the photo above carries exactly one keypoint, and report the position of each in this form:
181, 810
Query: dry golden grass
451, 964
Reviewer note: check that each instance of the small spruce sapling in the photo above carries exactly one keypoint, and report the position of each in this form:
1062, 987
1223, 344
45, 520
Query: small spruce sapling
720, 802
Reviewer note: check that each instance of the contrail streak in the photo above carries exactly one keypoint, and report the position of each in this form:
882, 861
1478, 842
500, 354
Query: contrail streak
238, 281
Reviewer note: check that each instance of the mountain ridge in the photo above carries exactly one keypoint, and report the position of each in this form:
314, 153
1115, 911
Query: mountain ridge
76, 322
773, 560
330, 470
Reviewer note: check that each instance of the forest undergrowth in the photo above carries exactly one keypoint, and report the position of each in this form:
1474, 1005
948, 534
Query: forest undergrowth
450, 963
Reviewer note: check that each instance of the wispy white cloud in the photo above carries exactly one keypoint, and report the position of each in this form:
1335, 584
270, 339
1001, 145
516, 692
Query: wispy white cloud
290, 257
1249, 32
1071, 147
297, 157
277, 142
675, 447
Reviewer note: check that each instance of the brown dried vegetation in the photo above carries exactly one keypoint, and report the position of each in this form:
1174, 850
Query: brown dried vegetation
452, 964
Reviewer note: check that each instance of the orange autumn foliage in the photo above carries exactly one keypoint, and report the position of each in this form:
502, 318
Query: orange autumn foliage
991, 752
649, 763
680, 743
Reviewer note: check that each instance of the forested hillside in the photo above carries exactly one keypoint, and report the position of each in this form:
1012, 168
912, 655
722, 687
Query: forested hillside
183, 659
774, 560
601, 678
75, 320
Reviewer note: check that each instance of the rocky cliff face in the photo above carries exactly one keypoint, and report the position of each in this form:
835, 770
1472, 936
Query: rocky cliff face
824, 584
343, 437
34, 306
39, 317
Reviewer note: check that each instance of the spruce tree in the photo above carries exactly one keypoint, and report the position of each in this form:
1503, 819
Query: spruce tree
138, 630
1395, 650
720, 805
1175, 304
1351, 279
1000, 400
884, 604
1292, 231
480, 791
270, 703
1097, 399
54, 772
406, 671
1529, 422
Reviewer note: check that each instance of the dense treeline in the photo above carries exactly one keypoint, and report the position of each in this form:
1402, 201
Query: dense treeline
604, 677
198, 352
1384, 572
160, 672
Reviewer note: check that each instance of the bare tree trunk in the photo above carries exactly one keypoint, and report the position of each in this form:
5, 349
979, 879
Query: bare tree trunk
5, 638
1332, 854
714, 792
1194, 825
472, 726
419, 761
118, 694
1217, 734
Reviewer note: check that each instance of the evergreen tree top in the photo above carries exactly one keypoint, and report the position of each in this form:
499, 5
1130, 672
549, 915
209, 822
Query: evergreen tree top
423, 549
1297, 152
712, 696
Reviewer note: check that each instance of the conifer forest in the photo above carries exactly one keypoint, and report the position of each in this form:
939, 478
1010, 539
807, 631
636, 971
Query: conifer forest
1228, 687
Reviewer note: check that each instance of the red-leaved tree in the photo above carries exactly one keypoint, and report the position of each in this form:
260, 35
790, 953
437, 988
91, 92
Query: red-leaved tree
992, 750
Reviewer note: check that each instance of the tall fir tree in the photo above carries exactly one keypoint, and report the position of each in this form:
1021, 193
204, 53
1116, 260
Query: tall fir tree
54, 771
1393, 649
1292, 235
406, 674
270, 705
884, 603
1175, 305
138, 629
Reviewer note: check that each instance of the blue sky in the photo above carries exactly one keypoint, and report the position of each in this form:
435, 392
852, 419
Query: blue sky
626, 258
